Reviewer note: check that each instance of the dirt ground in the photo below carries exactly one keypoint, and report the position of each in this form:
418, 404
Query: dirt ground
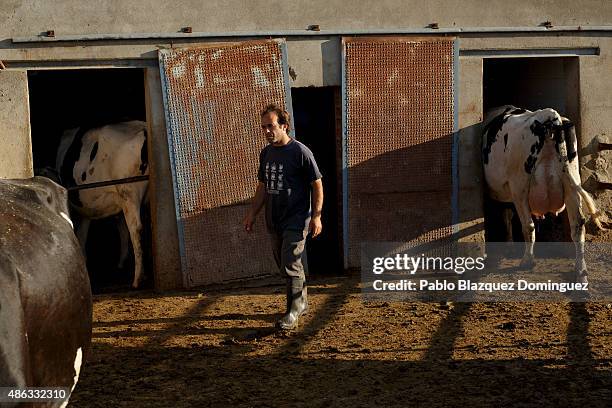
218, 348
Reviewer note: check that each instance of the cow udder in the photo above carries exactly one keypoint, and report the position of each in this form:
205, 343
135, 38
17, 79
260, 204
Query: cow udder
545, 185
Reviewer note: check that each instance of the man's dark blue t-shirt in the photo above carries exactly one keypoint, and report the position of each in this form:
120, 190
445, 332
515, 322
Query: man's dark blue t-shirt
287, 172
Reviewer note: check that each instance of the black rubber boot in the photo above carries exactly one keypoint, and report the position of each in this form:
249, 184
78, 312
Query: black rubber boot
297, 307
289, 297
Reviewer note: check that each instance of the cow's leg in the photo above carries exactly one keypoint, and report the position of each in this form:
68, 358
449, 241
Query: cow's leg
132, 217
528, 226
577, 221
507, 217
82, 232
124, 239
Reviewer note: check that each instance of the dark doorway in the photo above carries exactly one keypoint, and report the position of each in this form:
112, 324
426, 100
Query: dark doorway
532, 83
66, 99
316, 119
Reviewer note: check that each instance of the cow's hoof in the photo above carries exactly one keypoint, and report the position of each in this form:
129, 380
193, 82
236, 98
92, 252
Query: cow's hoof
137, 281
582, 277
527, 264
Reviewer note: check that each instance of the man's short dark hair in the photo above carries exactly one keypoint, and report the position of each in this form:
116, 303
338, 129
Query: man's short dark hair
283, 116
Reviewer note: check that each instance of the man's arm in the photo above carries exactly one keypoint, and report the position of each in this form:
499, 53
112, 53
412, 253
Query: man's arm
256, 205
316, 226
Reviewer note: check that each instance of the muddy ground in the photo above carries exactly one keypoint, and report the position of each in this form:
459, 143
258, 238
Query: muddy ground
217, 348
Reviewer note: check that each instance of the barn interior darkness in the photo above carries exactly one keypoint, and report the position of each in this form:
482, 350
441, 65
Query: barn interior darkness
532, 83
316, 125
65, 99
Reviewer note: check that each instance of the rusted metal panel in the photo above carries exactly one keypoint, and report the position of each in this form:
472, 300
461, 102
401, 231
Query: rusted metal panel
213, 97
399, 123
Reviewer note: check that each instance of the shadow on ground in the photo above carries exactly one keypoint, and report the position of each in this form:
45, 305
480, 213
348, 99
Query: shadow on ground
219, 349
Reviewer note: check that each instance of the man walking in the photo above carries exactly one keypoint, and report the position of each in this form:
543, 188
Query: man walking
290, 187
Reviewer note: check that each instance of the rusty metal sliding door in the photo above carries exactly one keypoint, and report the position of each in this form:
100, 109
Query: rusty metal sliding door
212, 100
399, 121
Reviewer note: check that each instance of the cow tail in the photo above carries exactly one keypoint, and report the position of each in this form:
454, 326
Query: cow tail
590, 204
565, 137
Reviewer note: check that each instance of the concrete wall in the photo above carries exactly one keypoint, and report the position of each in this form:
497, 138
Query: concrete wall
15, 146
31, 17
314, 61
596, 129
471, 223
164, 240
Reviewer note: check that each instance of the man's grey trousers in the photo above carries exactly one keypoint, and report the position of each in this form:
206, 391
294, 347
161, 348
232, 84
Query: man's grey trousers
289, 248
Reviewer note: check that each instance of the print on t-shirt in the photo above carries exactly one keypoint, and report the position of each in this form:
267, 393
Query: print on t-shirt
274, 177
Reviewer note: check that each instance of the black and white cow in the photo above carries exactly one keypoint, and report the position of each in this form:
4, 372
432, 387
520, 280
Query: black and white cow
111, 152
45, 294
530, 159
